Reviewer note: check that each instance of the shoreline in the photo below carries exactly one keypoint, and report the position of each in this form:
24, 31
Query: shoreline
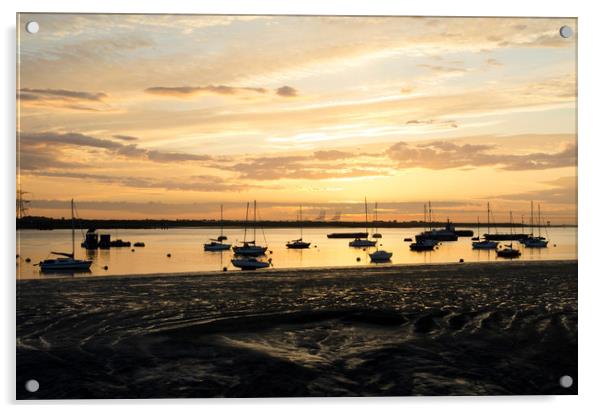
436, 329
350, 271
47, 223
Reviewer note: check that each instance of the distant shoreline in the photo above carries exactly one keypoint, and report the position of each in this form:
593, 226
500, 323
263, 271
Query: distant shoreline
46, 223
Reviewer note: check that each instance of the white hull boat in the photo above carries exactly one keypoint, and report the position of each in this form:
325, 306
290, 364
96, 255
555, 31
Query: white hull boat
249, 263
381, 256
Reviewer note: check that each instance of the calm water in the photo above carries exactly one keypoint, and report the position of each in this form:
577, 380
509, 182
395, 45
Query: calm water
186, 248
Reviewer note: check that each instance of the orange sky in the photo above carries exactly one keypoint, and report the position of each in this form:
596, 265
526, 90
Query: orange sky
168, 116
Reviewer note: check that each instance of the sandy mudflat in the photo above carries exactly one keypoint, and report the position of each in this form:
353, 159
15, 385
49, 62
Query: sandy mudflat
464, 329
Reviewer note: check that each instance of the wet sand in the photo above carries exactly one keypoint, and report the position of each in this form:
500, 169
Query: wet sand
457, 329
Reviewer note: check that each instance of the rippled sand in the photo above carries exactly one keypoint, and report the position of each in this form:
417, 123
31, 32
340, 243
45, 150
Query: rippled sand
462, 329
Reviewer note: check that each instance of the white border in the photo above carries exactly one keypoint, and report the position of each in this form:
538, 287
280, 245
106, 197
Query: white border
590, 207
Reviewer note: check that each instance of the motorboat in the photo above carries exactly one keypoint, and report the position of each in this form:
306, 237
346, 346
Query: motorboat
359, 243
298, 244
423, 245
484, 245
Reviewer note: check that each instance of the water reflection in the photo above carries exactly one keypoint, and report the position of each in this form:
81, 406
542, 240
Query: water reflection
186, 248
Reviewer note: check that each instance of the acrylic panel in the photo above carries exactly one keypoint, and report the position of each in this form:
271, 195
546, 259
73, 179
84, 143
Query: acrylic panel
276, 206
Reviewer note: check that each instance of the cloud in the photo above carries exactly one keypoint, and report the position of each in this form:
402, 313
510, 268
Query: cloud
70, 94
493, 62
562, 191
443, 69
65, 99
188, 183
331, 155
446, 123
448, 155
318, 166
186, 91
126, 138
34, 144
235, 210
286, 91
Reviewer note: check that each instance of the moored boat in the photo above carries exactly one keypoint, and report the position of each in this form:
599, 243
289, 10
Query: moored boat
347, 235
359, 242
249, 263
217, 244
67, 262
532, 241
381, 256
299, 243
250, 248
484, 244
508, 252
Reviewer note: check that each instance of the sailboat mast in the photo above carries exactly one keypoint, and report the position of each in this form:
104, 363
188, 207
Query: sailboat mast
301, 220
539, 220
366, 212
430, 216
425, 217
488, 213
246, 223
72, 231
375, 216
254, 219
221, 217
532, 223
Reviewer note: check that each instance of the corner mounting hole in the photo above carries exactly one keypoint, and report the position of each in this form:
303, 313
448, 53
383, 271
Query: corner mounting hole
32, 386
566, 32
566, 381
32, 27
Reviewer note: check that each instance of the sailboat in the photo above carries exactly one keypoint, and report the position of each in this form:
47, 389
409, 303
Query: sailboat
250, 248
217, 244
422, 243
376, 233
299, 243
485, 244
67, 261
358, 242
509, 251
533, 241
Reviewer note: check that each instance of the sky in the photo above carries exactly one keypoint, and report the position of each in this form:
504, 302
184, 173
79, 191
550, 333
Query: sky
169, 116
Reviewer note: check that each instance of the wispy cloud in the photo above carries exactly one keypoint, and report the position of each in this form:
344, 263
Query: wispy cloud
447, 155
64, 99
32, 144
187, 91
